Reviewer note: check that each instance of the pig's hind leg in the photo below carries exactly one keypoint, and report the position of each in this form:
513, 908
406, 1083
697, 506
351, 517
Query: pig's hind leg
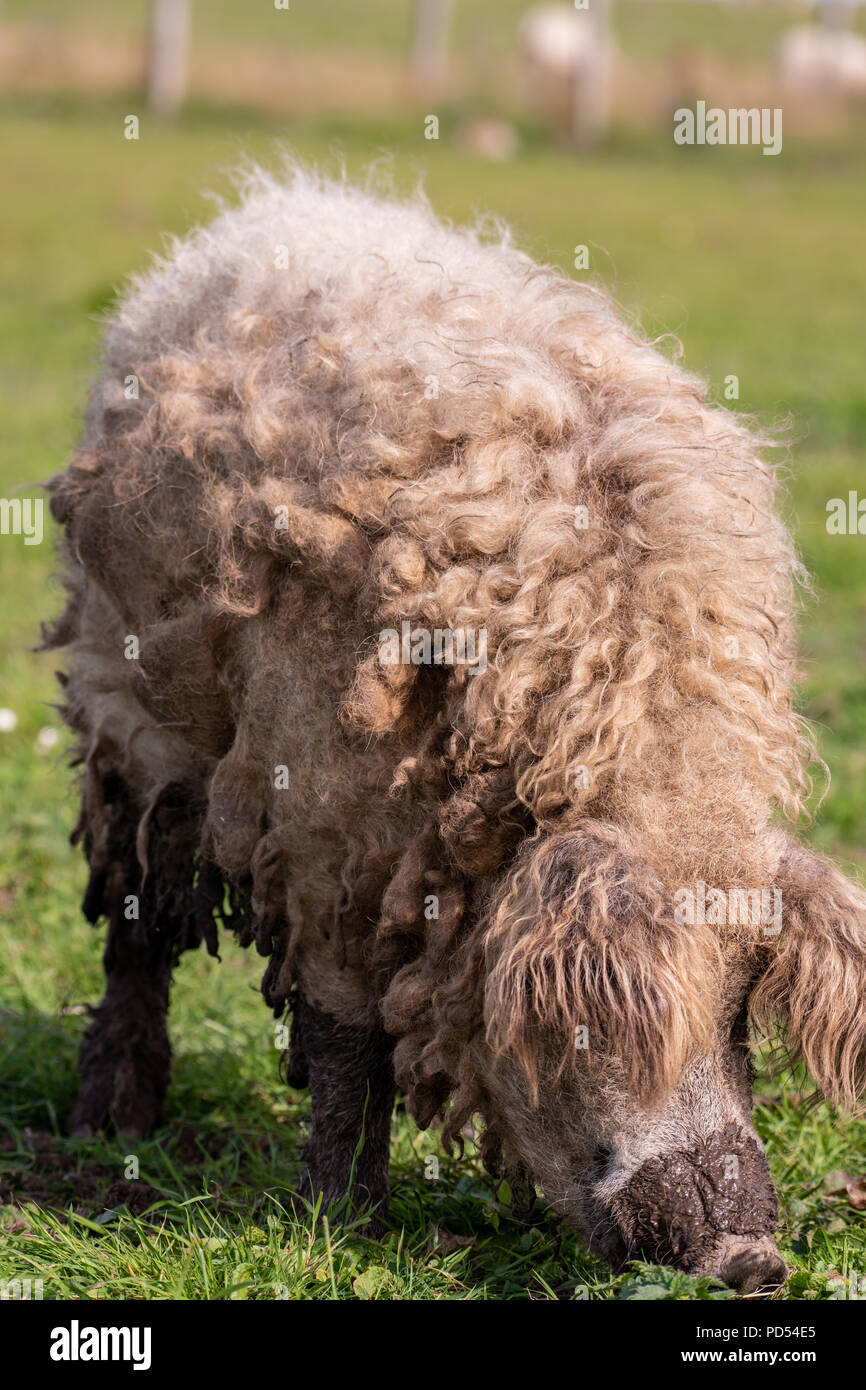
124, 1063
125, 1058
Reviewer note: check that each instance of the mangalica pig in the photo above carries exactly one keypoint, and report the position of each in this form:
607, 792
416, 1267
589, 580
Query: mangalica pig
428, 628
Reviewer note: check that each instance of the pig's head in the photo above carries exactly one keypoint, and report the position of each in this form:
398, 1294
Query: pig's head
616, 1052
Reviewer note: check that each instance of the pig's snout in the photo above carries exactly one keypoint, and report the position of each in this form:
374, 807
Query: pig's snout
710, 1209
747, 1264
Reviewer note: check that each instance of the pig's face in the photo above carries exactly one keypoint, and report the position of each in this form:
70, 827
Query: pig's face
682, 1181
616, 1054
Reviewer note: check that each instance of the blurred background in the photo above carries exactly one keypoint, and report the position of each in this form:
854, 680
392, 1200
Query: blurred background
116, 121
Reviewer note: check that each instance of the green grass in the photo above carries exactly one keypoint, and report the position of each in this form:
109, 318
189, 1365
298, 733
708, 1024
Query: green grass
758, 266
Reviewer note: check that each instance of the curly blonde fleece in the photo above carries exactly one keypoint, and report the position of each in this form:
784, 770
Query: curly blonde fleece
453, 435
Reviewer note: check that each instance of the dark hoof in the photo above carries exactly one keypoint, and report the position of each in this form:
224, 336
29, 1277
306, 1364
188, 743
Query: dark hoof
362, 1209
128, 1120
133, 1132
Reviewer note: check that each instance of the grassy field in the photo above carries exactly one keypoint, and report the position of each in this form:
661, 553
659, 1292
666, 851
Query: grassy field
758, 266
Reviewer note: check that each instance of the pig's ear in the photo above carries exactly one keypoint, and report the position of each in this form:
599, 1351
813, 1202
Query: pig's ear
585, 964
814, 986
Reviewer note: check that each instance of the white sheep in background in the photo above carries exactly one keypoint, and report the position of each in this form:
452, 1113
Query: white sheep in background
823, 61
567, 54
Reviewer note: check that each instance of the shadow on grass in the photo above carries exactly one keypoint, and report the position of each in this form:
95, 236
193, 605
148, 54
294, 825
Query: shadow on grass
232, 1155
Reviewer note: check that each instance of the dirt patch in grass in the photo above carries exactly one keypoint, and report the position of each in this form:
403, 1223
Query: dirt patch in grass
49, 1171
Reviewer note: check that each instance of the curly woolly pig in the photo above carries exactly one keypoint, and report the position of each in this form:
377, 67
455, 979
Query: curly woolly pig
332, 441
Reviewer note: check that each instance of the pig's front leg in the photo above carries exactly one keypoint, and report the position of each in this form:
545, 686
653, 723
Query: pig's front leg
351, 1079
